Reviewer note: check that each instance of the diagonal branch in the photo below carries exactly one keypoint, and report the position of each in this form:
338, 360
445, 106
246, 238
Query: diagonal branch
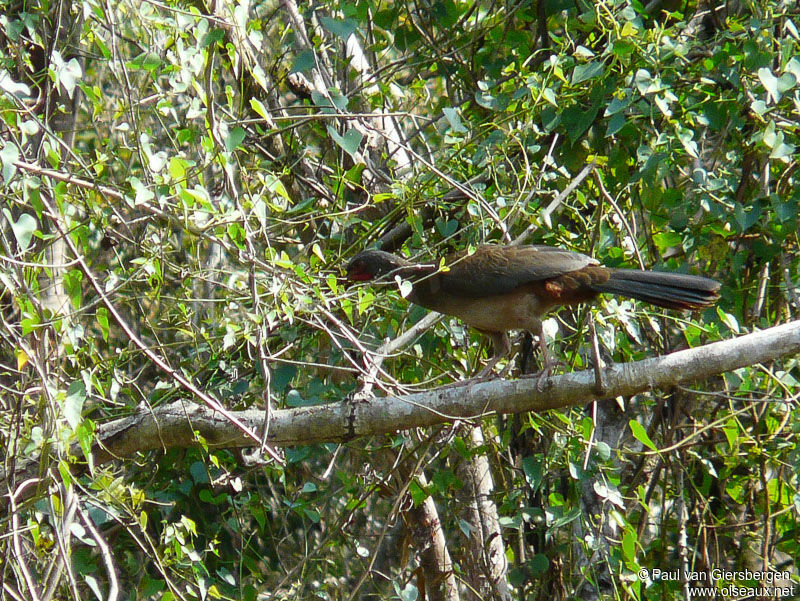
380, 415
179, 423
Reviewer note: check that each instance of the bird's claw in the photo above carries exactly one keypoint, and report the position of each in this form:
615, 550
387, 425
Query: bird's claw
543, 376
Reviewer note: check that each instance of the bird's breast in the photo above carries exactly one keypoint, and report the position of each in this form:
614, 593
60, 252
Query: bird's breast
520, 309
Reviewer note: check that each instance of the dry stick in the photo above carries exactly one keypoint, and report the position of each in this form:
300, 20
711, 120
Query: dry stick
471, 194
392, 345
763, 280
791, 290
69, 502
15, 529
374, 366
621, 216
70, 179
549, 209
161, 363
105, 553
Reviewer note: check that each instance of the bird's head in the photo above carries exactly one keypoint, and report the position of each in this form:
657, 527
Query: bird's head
373, 264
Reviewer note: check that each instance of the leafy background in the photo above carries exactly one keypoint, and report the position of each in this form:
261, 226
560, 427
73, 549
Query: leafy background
215, 165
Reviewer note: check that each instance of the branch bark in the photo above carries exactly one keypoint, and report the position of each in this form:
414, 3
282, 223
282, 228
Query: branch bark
175, 425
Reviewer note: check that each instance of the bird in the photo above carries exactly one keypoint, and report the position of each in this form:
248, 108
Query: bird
498, 288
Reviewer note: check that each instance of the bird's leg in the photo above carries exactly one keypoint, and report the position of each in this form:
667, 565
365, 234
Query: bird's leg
599, 383
502, 346
547, 362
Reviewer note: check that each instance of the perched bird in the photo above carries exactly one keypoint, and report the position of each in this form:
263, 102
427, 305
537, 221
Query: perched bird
502, 288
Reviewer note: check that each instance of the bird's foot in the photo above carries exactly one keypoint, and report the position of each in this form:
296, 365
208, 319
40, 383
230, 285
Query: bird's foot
360, 396
542, 376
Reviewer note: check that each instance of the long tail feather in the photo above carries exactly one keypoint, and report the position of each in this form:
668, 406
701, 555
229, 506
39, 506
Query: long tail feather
668, 290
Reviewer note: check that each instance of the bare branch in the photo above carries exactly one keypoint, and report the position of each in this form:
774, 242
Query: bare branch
180, 423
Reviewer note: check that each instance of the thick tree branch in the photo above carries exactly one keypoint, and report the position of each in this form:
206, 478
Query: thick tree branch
179, 423
172, 424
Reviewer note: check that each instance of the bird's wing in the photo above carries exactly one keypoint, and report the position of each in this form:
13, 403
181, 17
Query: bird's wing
492, 270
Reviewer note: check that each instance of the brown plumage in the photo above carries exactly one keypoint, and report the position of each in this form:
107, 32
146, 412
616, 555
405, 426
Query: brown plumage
502, 288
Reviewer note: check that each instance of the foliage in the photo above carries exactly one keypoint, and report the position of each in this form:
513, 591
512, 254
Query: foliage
213, 187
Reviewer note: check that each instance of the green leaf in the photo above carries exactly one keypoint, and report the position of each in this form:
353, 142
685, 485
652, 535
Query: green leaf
23, 229
342, 28
273, 183
454, 119
785, 209
102, 319
446, 227
565, 519
587, 71
418, 494
731, 431
312, 514
514, 522
729, 319
177, 168
282, 376
85, 434
576, 121
498, 102
259, 108
445, 13
445, 480
354, 173
623, 47
73, 404
12, 87
517, 577
304, 61
199, 472
533, 470
616, 123
640, 434
617, 105
746, 217
539, 564
212, 37
72, 286
339, 101
629, 545
9, 155
665, 240
235, 138
147, 61
770, 83
350, 141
